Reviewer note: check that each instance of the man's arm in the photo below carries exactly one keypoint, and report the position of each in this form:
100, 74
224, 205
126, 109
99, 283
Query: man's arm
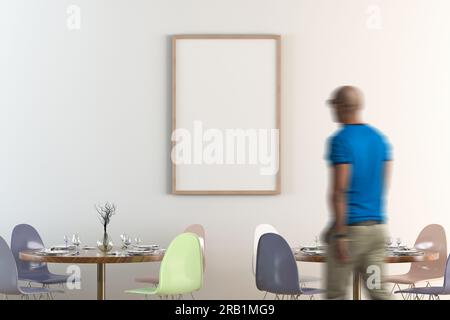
340, 181
387, 173
340, 178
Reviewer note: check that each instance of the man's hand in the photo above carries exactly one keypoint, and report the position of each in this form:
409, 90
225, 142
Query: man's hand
342, 250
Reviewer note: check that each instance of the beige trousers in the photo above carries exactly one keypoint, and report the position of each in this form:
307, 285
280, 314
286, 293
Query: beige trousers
367, 253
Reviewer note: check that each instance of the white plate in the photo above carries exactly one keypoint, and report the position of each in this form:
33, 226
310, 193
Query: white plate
312, 248
313, 253
63, 247
145, 246
140, 251
406, 251
50, 252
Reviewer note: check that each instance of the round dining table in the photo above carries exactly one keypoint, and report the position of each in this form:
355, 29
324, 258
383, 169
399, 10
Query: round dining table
92, 256
426, 256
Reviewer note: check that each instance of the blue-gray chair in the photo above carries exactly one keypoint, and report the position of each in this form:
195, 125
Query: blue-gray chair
432, 292
9, 282
267, 228
276, 269
25, 237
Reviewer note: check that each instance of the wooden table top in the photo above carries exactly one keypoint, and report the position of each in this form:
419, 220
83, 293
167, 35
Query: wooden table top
427, 256
89, 256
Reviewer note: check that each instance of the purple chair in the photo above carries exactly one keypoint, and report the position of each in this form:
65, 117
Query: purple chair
9, 282
25, 237
432, 292
276, 268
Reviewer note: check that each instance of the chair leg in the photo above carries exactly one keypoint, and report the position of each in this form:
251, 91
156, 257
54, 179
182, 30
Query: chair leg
413, 295
428, 284
392, 290
404, 296
50, 295
408, 295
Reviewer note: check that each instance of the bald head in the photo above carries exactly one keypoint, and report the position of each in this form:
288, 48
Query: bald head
347, 96
347, 101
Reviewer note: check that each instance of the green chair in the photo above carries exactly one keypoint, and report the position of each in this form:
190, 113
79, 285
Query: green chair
181, 269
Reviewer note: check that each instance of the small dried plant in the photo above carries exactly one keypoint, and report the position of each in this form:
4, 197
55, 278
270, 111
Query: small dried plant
105, 213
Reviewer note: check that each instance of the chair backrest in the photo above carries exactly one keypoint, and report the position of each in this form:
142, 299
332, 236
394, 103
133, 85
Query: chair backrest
8, 270
25, 237
431, 238
200, 232
181, 268
276, 268
259, 231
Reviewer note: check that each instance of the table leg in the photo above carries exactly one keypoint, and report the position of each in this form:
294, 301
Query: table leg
101, 268
356, 285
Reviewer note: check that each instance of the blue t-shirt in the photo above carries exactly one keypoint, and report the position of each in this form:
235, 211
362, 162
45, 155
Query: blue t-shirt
366, 149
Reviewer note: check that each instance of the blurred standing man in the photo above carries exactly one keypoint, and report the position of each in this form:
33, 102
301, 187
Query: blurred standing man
360, 159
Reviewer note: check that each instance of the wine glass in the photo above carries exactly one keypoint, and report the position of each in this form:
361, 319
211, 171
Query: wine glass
66, 240
389, 242
76, 241
316, 242
123, 237
138, 241
126, 240
398, 242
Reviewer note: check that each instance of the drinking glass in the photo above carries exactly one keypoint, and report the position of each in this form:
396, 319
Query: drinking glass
399, 242
66, 240
126, 240
389, 241
76, 241
138, 240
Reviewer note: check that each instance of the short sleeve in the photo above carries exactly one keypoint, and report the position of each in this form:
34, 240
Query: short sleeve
387, 150
338, 152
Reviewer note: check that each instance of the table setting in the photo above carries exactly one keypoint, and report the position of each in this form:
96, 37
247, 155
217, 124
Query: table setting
127, 249
396, 249
317, 249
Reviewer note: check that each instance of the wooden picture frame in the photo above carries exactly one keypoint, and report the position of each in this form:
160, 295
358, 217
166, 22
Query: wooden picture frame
193, 86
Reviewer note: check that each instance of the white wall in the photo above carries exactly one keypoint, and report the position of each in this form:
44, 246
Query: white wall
85, 118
